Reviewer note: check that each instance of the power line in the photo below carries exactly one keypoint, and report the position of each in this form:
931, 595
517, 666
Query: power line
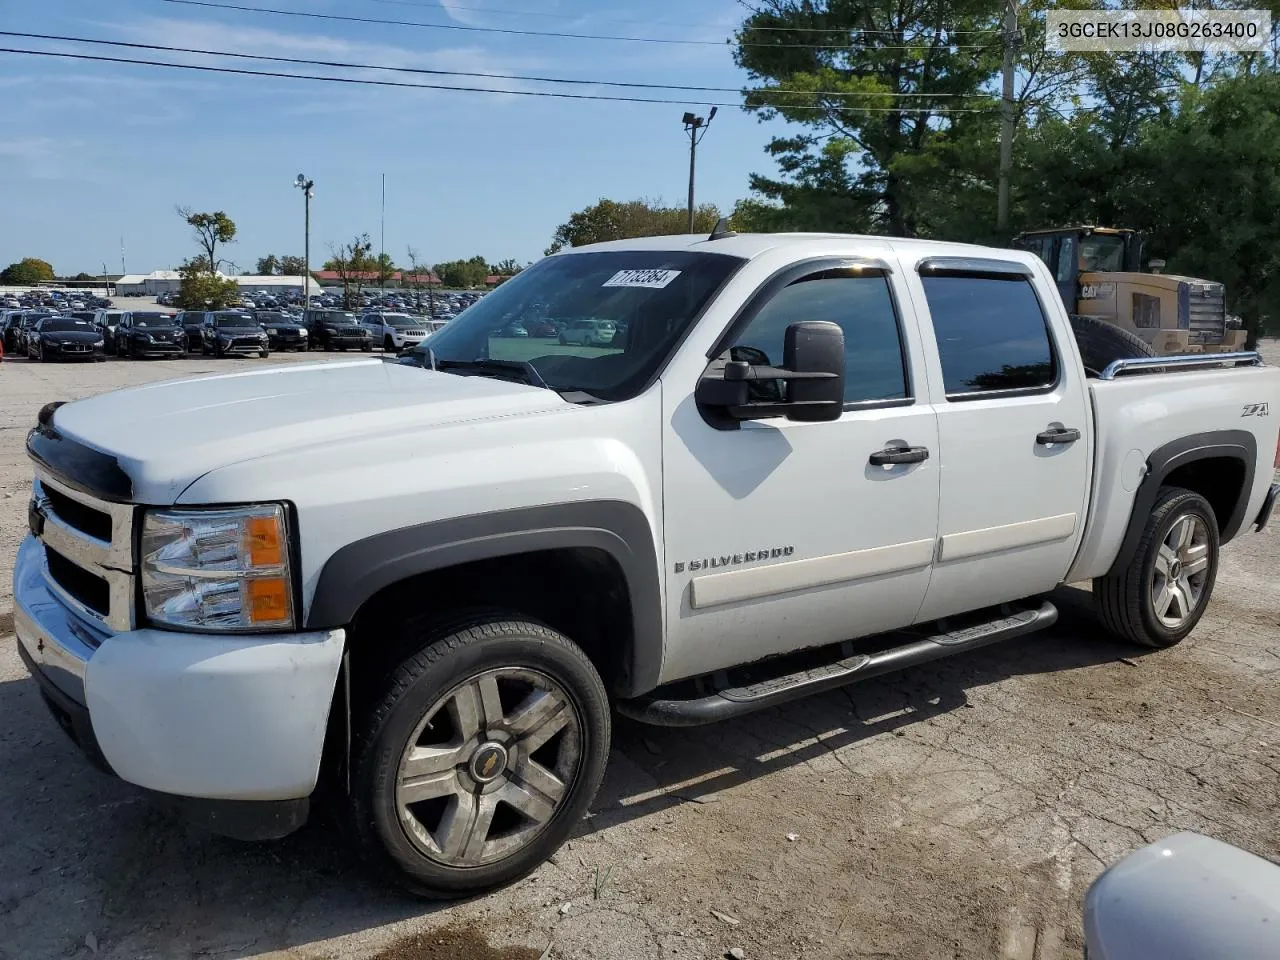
461, 73
511, 31
431, 5
362, 81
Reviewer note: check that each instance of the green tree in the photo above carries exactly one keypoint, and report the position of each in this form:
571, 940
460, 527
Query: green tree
385, 267
268, 266
28, 271
505, 268
611, 220
1205, 189
209, 230
292, 266
353, 264
892, 101
461, 274
203, 289
85, 276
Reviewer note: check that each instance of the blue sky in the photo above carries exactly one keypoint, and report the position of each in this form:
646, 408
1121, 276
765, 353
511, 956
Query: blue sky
92, 152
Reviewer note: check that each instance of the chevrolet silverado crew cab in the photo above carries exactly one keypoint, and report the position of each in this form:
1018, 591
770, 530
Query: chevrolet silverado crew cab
425, 584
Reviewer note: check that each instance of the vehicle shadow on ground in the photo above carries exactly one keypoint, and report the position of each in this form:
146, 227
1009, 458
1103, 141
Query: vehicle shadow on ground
672, 766
84, 854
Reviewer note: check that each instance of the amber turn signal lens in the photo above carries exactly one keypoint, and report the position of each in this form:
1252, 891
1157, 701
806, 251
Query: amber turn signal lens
265, 541
268, 600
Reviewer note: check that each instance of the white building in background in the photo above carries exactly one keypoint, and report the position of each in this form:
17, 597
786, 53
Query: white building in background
148, 284
168, 281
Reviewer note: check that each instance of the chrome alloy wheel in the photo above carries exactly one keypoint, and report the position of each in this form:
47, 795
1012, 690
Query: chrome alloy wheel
486, 768
1180, 572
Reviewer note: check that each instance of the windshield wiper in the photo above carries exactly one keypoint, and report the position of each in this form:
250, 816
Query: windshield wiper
519, 370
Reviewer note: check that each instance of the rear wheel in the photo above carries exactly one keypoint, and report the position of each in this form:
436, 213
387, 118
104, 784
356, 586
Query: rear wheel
1160, 596
388, 344
482, 755
1101, 343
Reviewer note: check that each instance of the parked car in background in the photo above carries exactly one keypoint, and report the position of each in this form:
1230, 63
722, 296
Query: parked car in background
228, 333
284, 331
192, 324
395, 331
107, 321
587, 331
65, 338
23, 329
336, 330
142, 334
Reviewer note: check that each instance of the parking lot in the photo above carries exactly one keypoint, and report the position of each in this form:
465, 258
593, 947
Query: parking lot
957, 810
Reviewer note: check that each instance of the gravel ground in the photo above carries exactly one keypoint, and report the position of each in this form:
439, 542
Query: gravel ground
958, 810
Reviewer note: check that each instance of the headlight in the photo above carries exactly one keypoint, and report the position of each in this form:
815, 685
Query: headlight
99, 343
273, 331
147, 337
302, 331
226, 341
218, 569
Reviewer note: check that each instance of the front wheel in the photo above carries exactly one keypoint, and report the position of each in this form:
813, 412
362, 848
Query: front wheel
1161, 595
481, 757
264, 354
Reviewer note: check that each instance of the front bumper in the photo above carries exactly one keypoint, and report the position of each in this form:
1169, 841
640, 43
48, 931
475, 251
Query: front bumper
224, 718
335, 340
245, 347
157, 348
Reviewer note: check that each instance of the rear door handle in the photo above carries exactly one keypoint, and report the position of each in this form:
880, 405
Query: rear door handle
1058, 435
894, 455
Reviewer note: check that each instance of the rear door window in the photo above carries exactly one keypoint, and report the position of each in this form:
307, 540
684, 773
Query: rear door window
991, 332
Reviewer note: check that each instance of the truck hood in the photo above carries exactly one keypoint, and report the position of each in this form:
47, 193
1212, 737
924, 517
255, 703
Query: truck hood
167, 435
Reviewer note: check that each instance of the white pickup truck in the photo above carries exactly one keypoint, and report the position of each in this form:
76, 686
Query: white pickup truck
799, 461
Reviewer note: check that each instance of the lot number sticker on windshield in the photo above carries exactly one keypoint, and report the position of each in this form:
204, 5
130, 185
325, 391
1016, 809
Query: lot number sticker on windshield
651, 279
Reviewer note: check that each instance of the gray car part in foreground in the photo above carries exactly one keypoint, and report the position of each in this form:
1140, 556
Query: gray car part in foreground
1187, 897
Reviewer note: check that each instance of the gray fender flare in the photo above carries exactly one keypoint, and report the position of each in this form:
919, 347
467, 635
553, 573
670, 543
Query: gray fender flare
359, 570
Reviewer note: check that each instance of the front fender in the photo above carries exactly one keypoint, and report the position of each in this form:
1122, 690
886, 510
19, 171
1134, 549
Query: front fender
357, 571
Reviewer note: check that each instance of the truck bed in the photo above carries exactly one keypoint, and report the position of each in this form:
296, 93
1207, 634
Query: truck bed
1136, 415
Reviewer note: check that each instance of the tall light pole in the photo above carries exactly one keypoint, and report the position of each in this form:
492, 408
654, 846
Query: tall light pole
308, 191
692, 126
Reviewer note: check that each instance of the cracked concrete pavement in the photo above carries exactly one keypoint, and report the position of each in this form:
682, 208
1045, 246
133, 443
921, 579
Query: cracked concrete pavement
958, 810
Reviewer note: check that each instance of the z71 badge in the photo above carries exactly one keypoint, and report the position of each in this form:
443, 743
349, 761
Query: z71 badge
1256, 410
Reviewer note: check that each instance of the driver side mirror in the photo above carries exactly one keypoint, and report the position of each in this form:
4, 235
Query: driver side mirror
812, 370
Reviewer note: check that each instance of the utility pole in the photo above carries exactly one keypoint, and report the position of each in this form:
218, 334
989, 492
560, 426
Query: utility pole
1011, 41
123, 271
382, 239
692, 126
308, 191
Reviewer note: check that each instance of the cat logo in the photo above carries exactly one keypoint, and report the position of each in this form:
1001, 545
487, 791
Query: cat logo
1256, 410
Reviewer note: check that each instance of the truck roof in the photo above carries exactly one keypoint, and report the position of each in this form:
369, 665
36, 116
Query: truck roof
751, 245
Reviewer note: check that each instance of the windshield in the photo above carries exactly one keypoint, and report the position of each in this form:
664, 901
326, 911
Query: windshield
152, 320
272, 318
600, 323
234, 320
66, 323
1102, 252
400, 323
337, 316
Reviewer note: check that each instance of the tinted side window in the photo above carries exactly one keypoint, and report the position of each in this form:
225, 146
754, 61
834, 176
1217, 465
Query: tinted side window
863, 308
991, 333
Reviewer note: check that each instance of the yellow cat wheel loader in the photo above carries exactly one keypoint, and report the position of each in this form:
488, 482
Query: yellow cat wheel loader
1099, 275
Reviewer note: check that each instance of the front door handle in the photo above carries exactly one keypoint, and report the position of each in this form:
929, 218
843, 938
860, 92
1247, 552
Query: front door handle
895, 455
1058, 435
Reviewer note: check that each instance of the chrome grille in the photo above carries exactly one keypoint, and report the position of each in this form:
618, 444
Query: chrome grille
88, 552
1208, 319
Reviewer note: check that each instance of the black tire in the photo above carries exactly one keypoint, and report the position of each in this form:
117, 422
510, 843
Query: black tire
388, 344
449, 657
1125, 598
264, 354
367, 348
1100, 343
217, 349
563, 341
132, 352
